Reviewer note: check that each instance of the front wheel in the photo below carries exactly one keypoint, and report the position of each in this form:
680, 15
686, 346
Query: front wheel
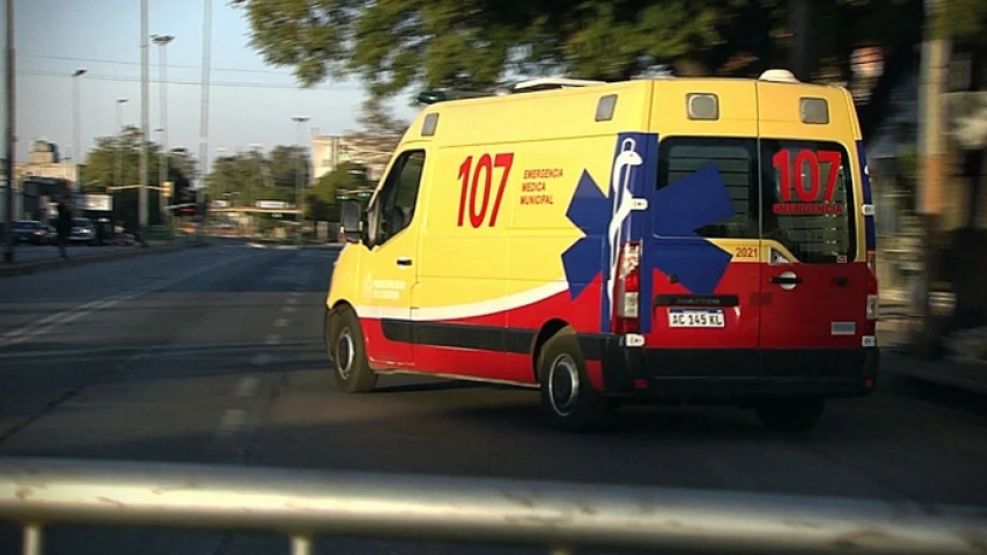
344, 341
796, 414
566, 394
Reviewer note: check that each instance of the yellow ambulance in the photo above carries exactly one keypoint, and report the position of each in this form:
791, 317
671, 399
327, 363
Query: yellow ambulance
669, 240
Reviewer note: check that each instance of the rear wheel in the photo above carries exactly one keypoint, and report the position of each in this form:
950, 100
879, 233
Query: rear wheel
566, 394
795, 414
344, 341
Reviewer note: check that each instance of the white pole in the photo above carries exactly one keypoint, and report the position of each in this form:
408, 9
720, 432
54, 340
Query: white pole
145, 124
204, 112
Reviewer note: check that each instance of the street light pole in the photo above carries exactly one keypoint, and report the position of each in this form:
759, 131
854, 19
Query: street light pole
119, 142
162, 41
76, 133
204, 115
8, 233
145, 124
299, 174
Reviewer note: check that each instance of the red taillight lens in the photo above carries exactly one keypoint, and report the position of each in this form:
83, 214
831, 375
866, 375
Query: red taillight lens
627, 289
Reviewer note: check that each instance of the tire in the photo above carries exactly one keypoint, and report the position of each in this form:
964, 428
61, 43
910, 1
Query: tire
795, 414
344, 343
567, 397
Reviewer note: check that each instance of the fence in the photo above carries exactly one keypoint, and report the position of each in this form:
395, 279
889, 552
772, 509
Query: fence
304, 504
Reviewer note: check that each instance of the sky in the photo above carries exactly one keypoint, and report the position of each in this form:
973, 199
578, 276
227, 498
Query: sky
251, 103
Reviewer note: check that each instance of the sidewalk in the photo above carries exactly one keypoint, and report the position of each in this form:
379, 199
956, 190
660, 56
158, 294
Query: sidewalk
30, 259
968, 375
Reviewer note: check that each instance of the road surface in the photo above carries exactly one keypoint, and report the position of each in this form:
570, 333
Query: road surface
215, 355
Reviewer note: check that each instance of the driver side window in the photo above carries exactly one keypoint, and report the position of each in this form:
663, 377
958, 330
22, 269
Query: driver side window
395, 206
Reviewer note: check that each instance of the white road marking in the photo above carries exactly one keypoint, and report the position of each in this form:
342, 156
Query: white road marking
281, 323
272, 339
247, 387
291, 300
232, 422
46, 324
261, 359
289, 309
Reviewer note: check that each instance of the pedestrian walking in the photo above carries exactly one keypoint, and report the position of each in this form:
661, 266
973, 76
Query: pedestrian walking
63, 227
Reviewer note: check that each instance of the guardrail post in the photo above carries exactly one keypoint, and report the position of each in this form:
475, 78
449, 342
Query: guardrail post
301, 544
32, 539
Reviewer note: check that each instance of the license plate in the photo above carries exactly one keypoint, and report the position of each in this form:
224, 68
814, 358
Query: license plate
685, 318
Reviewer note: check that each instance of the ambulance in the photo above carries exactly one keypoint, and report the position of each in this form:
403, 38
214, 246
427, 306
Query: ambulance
669, 240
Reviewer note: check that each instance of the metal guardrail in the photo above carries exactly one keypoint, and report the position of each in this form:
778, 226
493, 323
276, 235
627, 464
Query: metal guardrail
305, 504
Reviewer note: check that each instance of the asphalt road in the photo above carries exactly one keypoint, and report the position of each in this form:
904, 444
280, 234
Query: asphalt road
215, 355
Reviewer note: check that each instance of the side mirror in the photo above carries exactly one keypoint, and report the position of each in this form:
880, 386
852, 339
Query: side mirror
351, 220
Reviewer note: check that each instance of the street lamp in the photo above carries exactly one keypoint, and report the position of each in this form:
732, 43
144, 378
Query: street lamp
76, 133
299, 176
119, 141
162, 41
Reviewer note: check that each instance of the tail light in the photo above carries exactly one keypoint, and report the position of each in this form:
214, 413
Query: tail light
627, 289
873, 307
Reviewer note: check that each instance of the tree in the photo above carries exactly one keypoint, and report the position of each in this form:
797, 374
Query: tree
286, 163
479, 44
320, 200
115, 162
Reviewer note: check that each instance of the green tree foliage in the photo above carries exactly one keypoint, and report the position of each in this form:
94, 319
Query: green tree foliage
286, 163
247, 177
320, 200
115, 162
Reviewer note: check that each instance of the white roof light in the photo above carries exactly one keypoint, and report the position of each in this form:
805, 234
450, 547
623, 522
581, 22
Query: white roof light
779, 75
545, 83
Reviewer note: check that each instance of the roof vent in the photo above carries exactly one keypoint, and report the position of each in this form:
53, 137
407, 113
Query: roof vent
778, 76
549, 83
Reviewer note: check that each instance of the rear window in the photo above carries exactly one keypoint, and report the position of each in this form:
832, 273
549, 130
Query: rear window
807, 199
736, 162
795, 192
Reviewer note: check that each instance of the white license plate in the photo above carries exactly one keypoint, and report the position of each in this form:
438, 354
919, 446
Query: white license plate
685, 318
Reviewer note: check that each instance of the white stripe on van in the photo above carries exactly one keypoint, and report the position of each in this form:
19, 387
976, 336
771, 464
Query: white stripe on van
469, 310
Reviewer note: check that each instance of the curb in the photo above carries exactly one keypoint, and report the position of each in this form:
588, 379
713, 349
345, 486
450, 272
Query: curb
34, 267
967, 376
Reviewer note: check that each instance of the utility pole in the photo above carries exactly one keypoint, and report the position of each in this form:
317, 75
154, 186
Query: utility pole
162, 41
8, 221
300, 171
119, 142
204, 116
145, 124
932, 147
76, 133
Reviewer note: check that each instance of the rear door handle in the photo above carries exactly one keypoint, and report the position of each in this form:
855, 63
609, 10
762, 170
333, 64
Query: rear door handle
786, 280
403, 261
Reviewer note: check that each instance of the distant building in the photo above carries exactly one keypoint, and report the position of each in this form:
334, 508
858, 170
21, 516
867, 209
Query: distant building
370, 151
43, 160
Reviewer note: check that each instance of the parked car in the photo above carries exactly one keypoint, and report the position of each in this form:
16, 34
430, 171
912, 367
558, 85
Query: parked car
83, 231
31, 231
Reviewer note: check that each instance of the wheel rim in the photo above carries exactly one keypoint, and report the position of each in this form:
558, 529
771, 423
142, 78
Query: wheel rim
344, 354
563, 385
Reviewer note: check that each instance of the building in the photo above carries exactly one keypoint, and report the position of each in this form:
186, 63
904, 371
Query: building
370, 151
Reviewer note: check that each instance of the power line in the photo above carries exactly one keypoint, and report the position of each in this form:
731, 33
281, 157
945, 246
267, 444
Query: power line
125, 63
240, 84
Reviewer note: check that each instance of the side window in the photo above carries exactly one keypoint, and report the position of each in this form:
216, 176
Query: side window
735, 161
397, 199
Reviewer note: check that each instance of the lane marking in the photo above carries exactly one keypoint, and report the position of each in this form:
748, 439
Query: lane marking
46, 324
261, 359
281, 323
291, 300
247, 387
231, 422
272, 339
289, 309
